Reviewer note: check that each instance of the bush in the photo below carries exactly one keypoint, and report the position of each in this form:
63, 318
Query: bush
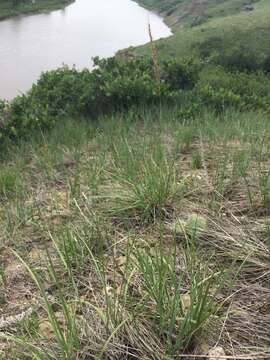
241, 59
180, 76
252, 88
219, 99
190, 109
3, 109
113, 85
118, 85
234, 53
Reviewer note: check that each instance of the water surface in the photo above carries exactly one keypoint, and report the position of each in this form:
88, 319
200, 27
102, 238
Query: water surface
72, 36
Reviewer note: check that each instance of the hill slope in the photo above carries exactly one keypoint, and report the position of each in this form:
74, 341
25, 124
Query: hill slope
137, 234
219, 30
135, 201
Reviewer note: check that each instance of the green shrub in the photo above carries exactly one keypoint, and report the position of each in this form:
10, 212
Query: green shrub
240, 59
234, 53
118, 85
180, 76
189, 111
113, 85
253, 89
3, 109
219, 99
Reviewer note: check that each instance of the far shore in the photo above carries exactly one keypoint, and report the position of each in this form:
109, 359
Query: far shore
40, 6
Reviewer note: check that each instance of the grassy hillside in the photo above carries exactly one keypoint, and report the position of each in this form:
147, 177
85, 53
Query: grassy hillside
134, 215
10, 8
135, 199
179, 13
138, 234
226, 32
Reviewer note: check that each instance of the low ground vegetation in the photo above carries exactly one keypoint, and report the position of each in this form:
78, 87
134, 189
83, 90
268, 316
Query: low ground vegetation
139, 235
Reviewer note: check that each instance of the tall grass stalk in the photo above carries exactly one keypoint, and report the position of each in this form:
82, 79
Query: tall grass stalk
145, 183
67, 338
154, 54
179, 307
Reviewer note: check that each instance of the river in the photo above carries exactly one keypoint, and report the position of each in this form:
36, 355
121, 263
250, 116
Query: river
87, 28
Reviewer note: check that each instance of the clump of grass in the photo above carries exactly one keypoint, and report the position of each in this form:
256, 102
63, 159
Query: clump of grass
29, 326
17, 214
267, 236
196, 161
70, 250
179, 302
221, 177
264, 187
74, 184
95, 174
152, 292
241, 162
9, 181
66, 335
185, 136
145, 184
75, 244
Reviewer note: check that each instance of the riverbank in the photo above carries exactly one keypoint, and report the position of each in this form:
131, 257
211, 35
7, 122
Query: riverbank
8, 9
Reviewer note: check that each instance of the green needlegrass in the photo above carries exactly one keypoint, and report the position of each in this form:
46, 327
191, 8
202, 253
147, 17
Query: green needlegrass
139, 233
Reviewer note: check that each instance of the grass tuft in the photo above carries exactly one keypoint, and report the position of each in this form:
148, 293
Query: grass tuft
145, 184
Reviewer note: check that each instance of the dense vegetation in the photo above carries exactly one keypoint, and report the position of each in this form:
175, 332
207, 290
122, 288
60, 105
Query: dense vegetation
134, 199
114, 85
15, 7
117, 85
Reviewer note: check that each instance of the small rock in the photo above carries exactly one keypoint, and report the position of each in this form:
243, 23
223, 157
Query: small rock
121, 261
195, 225
186, 302
45, 329
217, 353
249, 7
14, 271
109, 290
202, 348
3, 299
36, 254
